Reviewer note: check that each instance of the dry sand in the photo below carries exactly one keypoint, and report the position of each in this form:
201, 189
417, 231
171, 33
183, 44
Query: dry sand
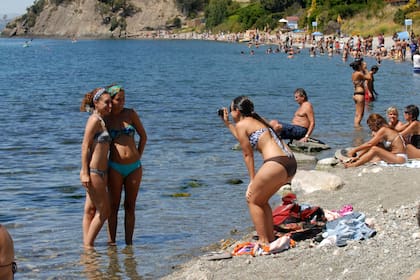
389, 196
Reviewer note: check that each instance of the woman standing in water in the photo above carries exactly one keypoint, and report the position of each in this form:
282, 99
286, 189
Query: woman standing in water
124, 161
359, 76
278, 169
94, 171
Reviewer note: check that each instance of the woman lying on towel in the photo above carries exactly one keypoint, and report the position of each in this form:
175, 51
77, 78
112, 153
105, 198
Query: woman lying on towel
386, 144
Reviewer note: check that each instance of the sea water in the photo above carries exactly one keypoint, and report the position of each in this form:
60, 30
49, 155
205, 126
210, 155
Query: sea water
176, 87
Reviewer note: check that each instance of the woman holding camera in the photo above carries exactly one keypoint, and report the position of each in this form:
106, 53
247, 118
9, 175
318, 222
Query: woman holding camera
278, 169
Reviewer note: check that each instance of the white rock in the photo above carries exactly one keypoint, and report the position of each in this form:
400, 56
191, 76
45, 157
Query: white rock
300, 157
416, 235
328, 161
314, 180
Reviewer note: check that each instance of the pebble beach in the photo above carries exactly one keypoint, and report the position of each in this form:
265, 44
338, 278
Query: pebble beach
386, 195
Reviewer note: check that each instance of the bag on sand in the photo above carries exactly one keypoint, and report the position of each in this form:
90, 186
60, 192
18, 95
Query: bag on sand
300, 222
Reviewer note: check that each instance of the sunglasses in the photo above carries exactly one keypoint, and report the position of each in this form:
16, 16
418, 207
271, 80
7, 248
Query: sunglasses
14, 266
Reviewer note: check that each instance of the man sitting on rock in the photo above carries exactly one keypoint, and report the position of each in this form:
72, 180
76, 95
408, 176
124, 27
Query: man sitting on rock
303, 122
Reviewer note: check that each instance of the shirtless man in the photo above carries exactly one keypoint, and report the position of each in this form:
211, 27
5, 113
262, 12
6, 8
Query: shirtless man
7, 255
370, 93
303, 123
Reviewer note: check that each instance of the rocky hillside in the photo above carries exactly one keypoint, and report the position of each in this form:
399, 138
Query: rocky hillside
90, 18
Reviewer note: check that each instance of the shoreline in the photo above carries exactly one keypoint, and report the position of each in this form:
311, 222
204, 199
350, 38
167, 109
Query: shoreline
383, 194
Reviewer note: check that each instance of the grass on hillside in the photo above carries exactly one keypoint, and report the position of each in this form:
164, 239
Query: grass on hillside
366, 23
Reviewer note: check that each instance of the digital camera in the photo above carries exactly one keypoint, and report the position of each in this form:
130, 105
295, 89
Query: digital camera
221, 112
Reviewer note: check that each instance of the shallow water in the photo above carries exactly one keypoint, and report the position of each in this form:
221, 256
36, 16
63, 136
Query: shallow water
176, 87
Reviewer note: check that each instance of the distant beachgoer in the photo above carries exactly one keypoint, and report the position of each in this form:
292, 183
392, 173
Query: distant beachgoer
278, 168
370, 93
416, 61
386, 144
413, 48
359, 76
381, 39
94, 171
312, 52
411, 132
393, 121
303, 122
8, 265
404, 46
124, 161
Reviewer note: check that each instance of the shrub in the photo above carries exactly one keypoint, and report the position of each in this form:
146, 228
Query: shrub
399, 17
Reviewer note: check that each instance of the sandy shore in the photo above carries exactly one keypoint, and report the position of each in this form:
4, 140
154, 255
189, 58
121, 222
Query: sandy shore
390, 197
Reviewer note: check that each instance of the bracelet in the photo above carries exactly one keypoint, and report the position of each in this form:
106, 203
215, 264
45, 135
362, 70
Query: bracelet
306, 136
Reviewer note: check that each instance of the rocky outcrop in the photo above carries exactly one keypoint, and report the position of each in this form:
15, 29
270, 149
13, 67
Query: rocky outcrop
82, 18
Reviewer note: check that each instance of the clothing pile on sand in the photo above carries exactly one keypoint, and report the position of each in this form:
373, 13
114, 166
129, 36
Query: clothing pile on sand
295, 222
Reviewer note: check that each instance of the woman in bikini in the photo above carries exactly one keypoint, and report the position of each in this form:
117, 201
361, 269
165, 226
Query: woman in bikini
125, 169
359, 76
386, 144
411, 133
93, 174
278, 169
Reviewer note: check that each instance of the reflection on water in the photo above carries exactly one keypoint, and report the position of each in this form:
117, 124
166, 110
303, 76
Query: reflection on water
359, 135
111, 264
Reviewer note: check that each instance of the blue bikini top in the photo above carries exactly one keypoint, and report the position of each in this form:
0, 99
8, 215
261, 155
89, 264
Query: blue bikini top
255, 136
102, 136
129, 130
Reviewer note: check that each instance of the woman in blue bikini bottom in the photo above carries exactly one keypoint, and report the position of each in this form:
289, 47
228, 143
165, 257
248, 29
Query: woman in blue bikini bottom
125, 169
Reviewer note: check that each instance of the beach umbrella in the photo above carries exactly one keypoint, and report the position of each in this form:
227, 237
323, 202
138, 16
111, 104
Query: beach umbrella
283, 20
403, 35
317, 33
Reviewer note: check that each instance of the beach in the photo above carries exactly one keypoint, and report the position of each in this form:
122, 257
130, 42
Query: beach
388, 195
176, 86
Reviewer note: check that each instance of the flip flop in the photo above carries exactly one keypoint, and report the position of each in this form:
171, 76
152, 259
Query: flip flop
214, 256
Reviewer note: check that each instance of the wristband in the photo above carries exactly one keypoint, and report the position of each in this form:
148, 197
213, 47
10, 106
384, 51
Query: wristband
306, 136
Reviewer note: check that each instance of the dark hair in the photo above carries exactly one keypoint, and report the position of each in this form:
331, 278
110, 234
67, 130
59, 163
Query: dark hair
356, 64
376, 121
246, 107
374, 67
413, 111
302, 93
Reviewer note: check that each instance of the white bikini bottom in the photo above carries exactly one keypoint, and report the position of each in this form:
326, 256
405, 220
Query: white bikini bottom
403, 156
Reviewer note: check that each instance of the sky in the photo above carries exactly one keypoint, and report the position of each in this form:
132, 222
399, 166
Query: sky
14, 6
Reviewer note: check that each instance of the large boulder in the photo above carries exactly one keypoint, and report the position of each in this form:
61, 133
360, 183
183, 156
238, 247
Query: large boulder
313, 180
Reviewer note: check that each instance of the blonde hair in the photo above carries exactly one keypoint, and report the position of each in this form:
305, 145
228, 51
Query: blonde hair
392, 109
